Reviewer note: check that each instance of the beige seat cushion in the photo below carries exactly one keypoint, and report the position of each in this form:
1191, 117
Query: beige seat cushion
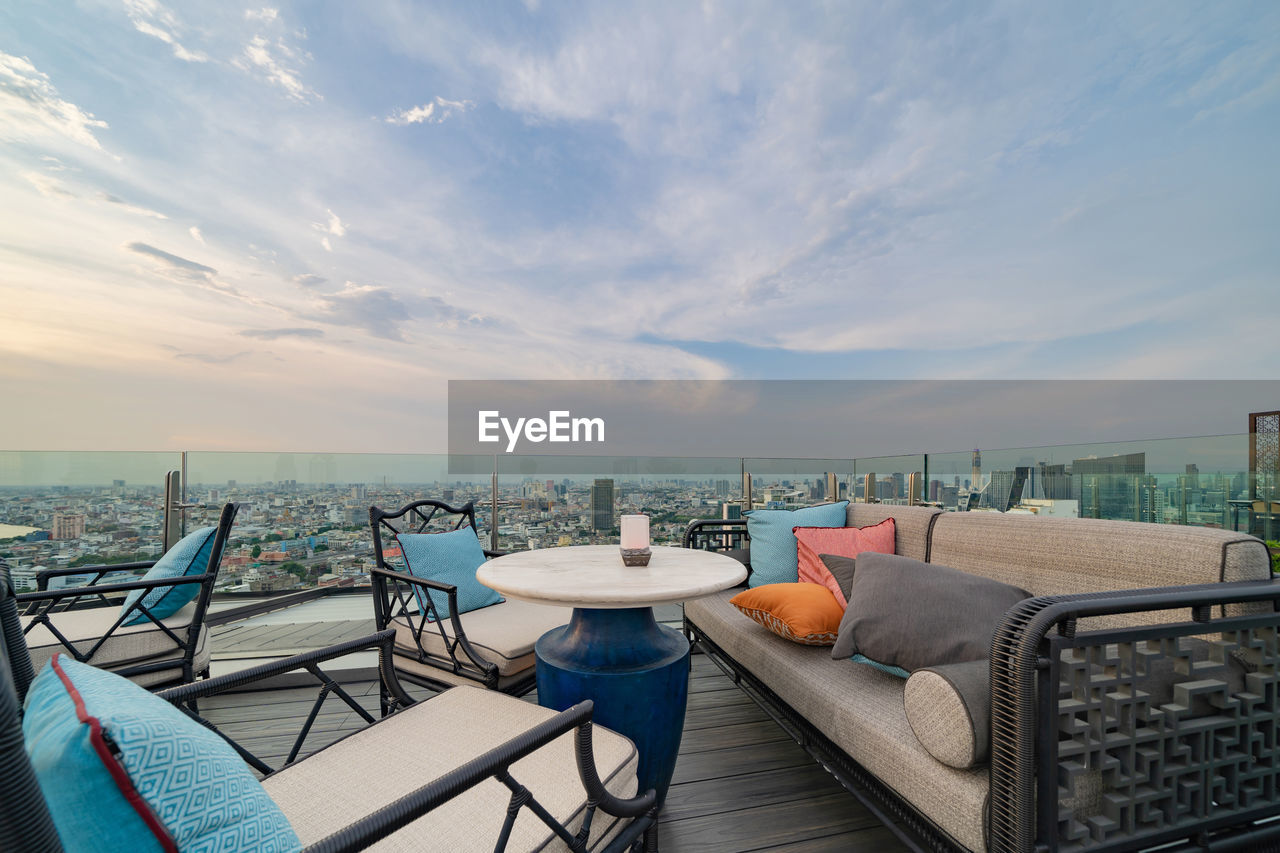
376, 766
128, 645
860, 709
503, 634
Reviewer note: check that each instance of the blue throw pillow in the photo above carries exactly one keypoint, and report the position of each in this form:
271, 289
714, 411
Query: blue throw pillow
122, 769
189, 557
773, 545
450, 558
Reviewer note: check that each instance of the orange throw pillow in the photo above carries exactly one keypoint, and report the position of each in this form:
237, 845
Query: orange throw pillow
843, 542
800, 612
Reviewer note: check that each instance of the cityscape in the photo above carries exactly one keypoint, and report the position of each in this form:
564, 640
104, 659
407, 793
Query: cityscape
292, 534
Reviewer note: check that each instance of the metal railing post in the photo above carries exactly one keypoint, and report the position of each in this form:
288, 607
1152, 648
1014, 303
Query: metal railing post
170, 527
493, 507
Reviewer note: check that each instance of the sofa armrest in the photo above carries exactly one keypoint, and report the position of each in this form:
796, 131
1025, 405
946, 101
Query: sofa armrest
1046, 730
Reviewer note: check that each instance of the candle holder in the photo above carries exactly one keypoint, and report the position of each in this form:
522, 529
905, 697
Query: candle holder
635, 556
634, 544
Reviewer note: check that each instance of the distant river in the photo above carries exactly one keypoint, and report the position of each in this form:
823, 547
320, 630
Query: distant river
8, 531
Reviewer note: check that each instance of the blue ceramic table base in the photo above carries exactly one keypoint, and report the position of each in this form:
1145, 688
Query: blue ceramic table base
635, 670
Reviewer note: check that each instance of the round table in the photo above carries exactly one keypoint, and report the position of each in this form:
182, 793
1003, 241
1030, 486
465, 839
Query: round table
613, 651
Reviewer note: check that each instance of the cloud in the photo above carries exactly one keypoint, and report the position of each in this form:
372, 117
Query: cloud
276, 334
309, 280
151, 18
47, 186
132, 208
334, 226
375, 309
196, 235
324, 241
208, 358
266, 15
185, 271
277, 63
31, 109
433, 112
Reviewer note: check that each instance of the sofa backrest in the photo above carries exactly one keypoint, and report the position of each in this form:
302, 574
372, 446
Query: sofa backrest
1048, 556
911, 525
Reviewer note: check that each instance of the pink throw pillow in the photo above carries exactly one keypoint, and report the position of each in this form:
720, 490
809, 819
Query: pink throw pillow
841, 541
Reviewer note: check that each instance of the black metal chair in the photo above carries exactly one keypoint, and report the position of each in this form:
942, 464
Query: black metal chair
27, 825
491, 647
85, 622
725, 536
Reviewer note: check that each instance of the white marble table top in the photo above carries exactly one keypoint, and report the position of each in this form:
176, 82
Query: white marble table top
593, 576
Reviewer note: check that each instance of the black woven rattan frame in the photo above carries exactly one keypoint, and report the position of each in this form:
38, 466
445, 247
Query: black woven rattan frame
1031, 653
394, 601
48, 607
25, 823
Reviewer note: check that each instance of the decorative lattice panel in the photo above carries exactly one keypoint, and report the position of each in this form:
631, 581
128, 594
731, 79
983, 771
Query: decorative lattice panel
1264, 451
1158, 734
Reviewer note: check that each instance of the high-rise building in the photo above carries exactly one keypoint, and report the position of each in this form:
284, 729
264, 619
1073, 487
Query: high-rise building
976, 482
722, 489
602, 505
68, 525
1055, 482
1108, 486
1005, 488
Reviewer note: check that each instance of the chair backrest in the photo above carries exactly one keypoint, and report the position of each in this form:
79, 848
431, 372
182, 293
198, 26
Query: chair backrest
724, 536
226, 518
417, 517
25, 823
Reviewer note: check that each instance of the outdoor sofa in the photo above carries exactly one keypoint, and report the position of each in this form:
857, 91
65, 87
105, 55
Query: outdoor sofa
1086, 750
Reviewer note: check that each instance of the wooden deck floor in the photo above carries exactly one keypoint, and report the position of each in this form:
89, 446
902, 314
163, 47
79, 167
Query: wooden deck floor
740, 783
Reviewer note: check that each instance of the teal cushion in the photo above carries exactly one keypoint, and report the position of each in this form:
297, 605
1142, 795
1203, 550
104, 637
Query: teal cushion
189, 557
883, 667
450, 558
773, 545
122, 769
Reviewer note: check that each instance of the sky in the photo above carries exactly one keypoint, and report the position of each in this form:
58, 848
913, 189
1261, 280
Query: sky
244, 227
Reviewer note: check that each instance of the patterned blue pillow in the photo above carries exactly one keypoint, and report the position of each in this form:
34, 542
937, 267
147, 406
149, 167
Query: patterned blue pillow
773, 545
190, 556
122, 769
451, 558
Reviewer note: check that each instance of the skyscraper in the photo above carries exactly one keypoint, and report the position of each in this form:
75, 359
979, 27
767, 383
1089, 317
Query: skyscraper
1108, 485
602, 505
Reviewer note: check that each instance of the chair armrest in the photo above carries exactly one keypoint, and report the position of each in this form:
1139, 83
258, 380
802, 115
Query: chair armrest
98, 571
123, 586
383, 641
489, 669
1029, 723
495, 763
491, 554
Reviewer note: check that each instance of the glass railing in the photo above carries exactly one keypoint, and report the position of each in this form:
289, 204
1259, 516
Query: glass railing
304, 516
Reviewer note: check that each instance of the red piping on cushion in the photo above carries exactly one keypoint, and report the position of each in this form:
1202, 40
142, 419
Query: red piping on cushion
122, 780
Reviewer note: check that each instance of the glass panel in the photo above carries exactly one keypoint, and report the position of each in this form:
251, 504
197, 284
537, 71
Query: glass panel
1198, 481
549, 501
778, 483
61, 509
890, 478
305, 516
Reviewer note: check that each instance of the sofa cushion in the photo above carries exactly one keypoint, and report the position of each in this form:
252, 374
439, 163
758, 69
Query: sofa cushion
189, 556
346, 781
503, 634
127, 645
451, 558
812, 542
841, 570
949, 709
910, 614
800, 612
122, 769
911, 525
1052, 556
859, 709
773, 545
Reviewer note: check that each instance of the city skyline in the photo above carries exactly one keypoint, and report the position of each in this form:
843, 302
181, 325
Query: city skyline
274, 227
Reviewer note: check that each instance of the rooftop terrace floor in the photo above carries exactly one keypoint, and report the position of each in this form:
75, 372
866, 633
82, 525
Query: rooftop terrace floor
740, 782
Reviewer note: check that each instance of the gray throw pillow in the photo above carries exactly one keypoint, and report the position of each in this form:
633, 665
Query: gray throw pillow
841, 569
949, 709
910, 614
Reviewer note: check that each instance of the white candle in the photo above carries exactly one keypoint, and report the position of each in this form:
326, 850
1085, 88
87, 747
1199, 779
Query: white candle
635, 532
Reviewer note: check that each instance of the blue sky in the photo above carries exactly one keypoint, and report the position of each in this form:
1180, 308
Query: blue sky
285, 227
